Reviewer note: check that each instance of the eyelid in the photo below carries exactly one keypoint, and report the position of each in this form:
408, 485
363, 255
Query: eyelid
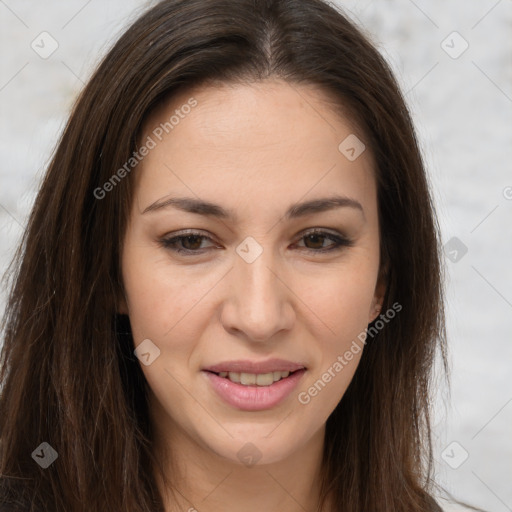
188, 232
323, 231
340, 240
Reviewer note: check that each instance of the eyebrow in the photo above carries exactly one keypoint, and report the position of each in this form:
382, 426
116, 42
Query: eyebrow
296, 210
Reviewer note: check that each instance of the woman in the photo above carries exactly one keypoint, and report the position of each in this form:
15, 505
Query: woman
229, 292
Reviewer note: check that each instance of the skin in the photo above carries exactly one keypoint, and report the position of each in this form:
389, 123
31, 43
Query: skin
254, 149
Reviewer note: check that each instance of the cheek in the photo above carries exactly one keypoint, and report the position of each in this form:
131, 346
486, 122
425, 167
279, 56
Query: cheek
159, 294
342, 301
164, 306
342, 298
170, 305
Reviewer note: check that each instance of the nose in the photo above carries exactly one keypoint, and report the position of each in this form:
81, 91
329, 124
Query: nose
258, 302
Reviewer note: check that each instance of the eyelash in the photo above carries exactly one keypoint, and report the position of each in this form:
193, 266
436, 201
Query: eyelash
340, 242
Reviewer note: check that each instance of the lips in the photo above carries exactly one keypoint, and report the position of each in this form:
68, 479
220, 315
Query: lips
256, 367
254, 385
253, 397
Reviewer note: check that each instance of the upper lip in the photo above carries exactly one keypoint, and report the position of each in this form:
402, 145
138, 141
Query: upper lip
247, 366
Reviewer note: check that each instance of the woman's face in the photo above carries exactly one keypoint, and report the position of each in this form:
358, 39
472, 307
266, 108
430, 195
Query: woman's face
257, 165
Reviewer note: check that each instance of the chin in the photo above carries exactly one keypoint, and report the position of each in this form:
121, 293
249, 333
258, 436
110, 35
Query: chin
256, 448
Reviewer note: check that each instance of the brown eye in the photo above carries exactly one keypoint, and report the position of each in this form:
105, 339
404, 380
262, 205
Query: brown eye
314, 241
187, 243
191, 242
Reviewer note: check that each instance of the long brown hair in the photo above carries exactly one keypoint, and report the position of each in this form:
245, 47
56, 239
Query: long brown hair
69, 376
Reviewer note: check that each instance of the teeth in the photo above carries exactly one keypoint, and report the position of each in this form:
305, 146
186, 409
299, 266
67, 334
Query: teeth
247, 379
265, 379
252, 379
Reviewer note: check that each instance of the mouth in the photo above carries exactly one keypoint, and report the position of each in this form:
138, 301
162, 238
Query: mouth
255, 379
254, 391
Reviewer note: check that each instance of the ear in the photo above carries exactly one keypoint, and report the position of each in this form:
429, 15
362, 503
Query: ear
380, 293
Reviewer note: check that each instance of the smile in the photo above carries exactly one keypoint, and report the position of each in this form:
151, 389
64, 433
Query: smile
253, 379
251, 391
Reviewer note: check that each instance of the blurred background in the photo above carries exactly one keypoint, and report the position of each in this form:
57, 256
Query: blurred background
453, 60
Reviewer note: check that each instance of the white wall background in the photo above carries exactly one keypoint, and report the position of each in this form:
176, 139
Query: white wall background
462, 106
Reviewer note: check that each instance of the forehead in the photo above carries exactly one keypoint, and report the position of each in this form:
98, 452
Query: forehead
255, 138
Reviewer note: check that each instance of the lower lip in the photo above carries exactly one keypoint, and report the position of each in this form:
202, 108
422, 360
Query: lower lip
254, 398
